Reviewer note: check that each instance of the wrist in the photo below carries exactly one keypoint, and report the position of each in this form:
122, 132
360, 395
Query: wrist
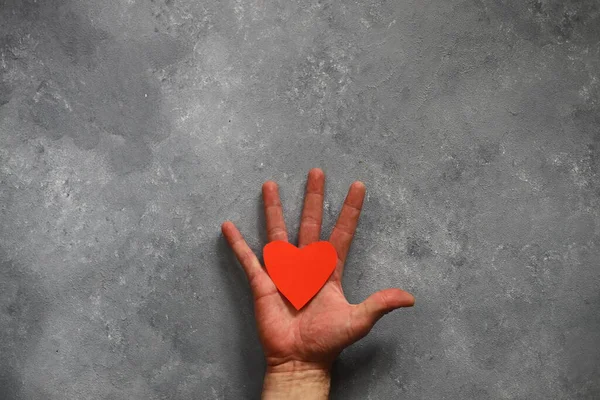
296, 380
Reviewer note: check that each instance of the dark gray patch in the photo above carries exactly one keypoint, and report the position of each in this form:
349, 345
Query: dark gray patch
10, 387
350, 369
417, 247
23, 306
27, 9
405, 93
133, 155
86, 133
9, 45
457, 232
55, 110
187, 168
549, 22
465, 65
578, 327
172, 316
117, 197
491, 62
391, 165
5, 92
48, 108
107, 87
453, 170
568, 23
181, 387
494, 326
473, 391
77, 37
487, 153
162, 50
354, 120
458, 261
379, 215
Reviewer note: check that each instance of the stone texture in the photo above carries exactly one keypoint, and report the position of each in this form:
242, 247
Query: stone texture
129, 130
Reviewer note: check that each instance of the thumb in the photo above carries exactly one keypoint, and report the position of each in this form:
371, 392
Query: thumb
377, 305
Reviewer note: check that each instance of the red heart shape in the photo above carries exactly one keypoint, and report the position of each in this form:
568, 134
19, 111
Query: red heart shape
299, 274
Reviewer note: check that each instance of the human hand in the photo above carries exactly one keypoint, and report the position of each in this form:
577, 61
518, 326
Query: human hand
302, 345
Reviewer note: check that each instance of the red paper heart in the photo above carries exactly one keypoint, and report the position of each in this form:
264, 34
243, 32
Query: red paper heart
299, 274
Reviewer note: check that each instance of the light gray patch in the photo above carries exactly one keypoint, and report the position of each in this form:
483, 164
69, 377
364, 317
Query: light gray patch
594, 159
379, 14
459, 235
311, 79
11, 56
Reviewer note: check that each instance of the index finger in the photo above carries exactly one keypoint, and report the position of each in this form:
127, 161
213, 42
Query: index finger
343, 232
260, 282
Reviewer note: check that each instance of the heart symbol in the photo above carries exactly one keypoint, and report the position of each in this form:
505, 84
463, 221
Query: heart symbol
299, 274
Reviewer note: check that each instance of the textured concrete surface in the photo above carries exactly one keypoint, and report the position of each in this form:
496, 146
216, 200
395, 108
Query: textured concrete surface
130, 129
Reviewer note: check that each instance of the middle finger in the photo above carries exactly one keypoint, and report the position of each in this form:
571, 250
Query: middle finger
273, 212
312, 213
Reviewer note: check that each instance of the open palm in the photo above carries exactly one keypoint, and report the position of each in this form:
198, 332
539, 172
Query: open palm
313, 336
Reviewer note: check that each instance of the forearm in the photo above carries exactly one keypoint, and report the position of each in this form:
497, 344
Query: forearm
304, 384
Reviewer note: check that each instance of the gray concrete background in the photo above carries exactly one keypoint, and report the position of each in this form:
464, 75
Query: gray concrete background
130, 129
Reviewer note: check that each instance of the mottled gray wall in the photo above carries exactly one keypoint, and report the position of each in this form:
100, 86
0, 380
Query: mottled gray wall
131, 129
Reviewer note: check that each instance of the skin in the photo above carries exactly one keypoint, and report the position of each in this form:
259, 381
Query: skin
301, 346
